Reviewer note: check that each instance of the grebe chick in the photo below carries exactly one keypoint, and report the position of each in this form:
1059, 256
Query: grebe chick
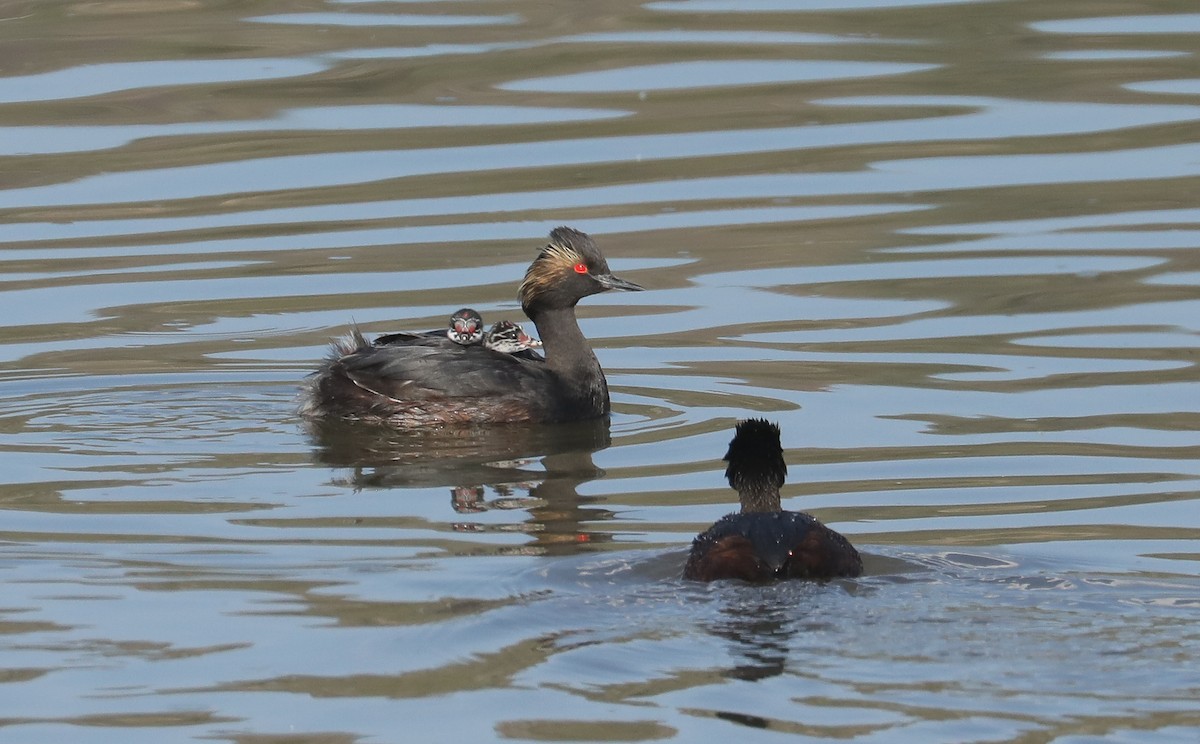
763, 542
466, 328
507, 337
409, 385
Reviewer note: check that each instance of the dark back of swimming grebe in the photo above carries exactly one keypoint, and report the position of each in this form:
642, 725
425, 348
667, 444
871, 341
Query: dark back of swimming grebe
764, 546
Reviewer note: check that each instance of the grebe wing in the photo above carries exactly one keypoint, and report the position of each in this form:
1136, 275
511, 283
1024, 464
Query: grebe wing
418, 370
411, 337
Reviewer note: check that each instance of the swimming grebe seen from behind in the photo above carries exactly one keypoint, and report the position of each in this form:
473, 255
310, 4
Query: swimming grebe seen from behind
416, 384
762, 542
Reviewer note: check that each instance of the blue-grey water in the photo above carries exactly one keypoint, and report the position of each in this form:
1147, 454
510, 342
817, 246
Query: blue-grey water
952, 247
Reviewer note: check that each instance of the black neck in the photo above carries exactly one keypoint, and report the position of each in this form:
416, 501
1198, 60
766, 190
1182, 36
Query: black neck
569, 354
759, 496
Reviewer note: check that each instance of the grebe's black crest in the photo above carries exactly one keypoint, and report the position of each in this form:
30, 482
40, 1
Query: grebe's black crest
755, 457
762, 542
410, 381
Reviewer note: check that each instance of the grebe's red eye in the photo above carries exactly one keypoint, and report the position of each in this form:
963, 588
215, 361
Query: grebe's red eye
580, 268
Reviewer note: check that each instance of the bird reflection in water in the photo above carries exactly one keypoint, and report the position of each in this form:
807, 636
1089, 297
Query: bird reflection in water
536, 468
766, 628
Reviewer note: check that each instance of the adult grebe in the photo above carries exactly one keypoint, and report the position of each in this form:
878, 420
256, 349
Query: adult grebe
763, 542
416, 384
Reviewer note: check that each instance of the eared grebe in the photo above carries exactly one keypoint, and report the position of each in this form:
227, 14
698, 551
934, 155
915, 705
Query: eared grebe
763, 542
466, 328
418, 384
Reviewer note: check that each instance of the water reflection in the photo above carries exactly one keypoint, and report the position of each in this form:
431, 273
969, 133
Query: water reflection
1166, 23
684, 75
789, 6
94, 80
538, 469
716, 38
988, 119
385, 19
1169, 87
1088, 55
61, 138
761, 637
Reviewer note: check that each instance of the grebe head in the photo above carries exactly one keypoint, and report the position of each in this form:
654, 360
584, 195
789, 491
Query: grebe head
466, 327
756, 468
568, 269
509, 338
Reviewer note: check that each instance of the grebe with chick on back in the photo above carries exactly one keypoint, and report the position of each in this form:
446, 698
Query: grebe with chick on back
763, 542
413, 384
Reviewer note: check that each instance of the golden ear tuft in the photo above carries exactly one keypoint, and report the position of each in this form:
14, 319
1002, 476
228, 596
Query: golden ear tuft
560, 255
555, 259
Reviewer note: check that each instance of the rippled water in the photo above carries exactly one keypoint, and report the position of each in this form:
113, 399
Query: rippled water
951, 247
